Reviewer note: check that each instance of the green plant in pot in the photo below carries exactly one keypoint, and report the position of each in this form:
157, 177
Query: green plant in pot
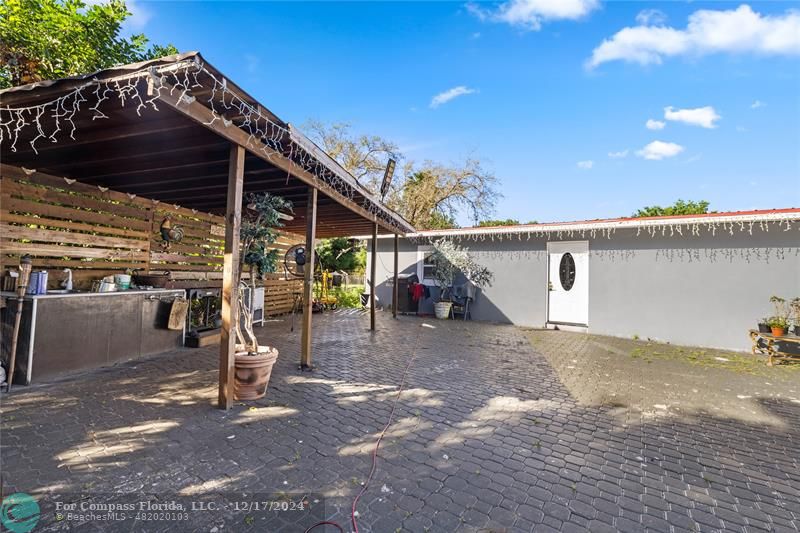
448, 259
778, 325
254, 361
794, 305
779, 322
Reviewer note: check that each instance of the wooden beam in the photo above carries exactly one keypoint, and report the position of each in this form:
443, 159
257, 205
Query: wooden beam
372, 269
203, 115
135, 158
230, 281
308, 280
104, 134
394, 286
193, 178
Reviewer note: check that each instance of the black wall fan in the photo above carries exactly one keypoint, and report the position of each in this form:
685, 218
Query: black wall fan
294, 261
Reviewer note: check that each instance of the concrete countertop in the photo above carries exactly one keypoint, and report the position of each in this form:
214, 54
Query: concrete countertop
87, 293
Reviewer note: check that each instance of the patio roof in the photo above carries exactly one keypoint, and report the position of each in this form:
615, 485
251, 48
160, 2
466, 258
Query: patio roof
162, 129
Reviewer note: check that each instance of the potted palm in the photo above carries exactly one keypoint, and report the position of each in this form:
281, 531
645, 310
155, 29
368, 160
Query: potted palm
448, 259
254, 361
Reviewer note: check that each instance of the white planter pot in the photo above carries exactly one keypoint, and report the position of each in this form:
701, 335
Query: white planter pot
442, 309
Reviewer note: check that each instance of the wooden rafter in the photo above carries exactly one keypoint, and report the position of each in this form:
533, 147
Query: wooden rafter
201, 114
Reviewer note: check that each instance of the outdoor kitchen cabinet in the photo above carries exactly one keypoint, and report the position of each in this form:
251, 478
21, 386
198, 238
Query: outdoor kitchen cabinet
65, 333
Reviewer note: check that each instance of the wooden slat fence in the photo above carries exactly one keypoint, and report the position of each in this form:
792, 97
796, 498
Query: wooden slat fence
96, 232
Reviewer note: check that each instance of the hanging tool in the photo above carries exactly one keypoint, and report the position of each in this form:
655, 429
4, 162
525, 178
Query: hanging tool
22, 286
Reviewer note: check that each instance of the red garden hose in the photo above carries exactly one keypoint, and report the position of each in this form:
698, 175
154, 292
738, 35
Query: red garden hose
377, 446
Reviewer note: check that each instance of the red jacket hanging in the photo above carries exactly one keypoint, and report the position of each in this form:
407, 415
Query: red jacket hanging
417, 292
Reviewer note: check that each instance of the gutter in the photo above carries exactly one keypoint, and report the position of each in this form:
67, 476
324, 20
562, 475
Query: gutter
744, 221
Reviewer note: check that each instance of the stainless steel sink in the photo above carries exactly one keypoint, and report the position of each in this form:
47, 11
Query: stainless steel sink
62, 291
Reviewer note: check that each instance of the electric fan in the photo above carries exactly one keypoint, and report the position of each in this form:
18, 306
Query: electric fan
294, 261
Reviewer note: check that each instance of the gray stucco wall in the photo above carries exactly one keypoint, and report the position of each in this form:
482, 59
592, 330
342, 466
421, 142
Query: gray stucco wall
694, 290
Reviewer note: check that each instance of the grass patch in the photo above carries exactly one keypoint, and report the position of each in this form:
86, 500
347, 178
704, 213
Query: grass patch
707, 358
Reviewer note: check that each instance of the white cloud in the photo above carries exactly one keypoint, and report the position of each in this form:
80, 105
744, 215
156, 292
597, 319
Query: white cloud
648, 17
476, 35
586, 165
658, 150
446, 96
619, 155
709, 31
701, 116
530, 14
757, 104
654, 124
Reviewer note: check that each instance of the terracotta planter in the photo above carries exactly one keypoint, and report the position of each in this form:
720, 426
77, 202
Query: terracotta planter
778, 332
253, 373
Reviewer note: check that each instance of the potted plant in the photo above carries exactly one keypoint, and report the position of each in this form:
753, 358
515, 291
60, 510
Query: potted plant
763, 327
794, 304
778, 325
254, 361
779, 321
448, 259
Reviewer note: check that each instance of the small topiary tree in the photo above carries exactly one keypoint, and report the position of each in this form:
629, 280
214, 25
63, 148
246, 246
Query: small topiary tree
449, 259
259, 220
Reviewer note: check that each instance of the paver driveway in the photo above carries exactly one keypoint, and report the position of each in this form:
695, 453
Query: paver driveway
485, 437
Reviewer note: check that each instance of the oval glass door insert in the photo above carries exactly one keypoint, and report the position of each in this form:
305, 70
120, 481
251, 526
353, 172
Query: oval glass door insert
566, 271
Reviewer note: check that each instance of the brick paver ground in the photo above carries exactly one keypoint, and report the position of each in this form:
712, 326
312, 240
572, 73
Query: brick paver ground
485, 438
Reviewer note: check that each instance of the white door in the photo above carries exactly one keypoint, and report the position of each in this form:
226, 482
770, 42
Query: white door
568, 282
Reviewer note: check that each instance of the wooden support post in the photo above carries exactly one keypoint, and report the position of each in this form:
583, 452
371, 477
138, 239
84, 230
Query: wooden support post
308, 279
372, 271
230, 278
396, 263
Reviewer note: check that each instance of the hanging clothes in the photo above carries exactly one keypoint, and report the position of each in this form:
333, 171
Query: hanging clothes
418, 292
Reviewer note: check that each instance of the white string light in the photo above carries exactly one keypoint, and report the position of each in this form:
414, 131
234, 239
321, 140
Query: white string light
145, 87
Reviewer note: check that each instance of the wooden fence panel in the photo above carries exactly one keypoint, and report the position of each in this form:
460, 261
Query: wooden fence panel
63, 223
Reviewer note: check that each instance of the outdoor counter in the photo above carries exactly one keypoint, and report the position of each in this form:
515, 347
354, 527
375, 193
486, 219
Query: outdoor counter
65, 333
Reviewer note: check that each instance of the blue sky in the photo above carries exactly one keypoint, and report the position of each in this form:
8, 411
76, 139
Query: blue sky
536, 108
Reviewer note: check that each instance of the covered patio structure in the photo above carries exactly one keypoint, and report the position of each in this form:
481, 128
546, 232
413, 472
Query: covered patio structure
175, 130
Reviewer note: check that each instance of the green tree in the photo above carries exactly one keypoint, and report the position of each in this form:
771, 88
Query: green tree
364, 156
498, 222
680, 207
51, 39
341, 254
257, 235
429, 195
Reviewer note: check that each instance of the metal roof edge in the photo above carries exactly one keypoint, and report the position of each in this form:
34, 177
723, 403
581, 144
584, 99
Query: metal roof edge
776, 215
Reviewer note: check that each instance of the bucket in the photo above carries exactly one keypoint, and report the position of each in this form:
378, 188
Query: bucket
107, 286
123, 281
442, 309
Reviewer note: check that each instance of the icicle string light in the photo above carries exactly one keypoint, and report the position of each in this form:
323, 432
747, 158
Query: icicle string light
784, 222
144, 88
702, 254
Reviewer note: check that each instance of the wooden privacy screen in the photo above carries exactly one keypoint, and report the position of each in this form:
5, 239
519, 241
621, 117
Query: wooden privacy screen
95, 232
280, 294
